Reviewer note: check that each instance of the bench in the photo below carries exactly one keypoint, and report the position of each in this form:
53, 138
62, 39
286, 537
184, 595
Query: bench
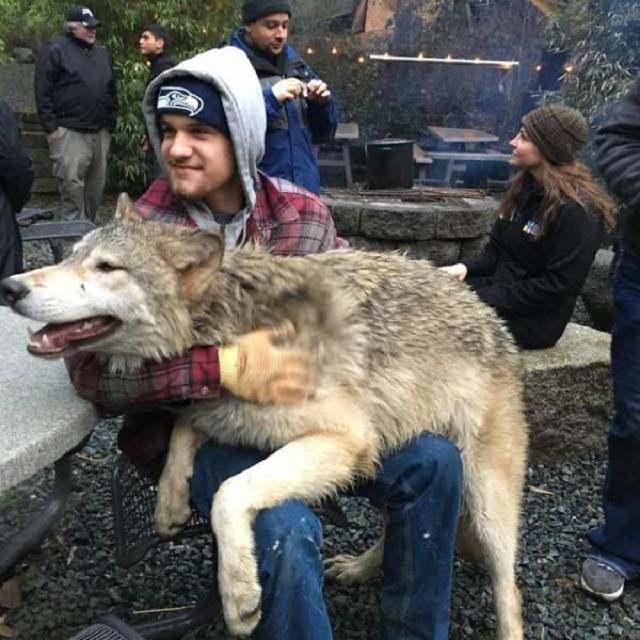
42, 422
456, 160
568, 393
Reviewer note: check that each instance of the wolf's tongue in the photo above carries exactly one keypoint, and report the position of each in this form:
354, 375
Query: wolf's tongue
54, 338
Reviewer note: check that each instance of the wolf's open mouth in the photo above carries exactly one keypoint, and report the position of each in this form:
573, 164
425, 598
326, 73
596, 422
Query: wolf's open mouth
56, 340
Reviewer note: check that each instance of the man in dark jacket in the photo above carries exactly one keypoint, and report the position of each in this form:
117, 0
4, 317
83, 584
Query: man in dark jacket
154, 46
76, 99
300, 110
16, 177
615, 556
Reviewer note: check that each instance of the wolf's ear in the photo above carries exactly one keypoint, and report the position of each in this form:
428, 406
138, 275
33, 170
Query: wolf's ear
196, 255
125, 209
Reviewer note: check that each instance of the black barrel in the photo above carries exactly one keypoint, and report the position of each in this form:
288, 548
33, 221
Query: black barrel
390, 164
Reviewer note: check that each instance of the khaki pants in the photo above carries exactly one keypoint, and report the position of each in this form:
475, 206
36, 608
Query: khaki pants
80, 165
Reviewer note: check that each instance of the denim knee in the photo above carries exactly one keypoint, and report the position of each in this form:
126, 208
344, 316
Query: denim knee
430, 463
288, 544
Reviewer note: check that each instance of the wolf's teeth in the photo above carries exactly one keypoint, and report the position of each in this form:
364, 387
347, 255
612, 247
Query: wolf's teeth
86, 325
30, 331
45, 340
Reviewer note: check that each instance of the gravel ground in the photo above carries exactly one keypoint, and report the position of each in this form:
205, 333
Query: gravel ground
73, 579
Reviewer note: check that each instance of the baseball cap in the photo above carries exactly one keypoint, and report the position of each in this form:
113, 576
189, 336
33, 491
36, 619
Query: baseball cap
78, 13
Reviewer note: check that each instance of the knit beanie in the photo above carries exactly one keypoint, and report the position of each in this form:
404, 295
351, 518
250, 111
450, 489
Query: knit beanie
558, 131
254, 9
195, 98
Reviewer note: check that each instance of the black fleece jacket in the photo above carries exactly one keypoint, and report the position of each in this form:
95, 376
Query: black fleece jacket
75, 86
618, 146
533, 281
158, 64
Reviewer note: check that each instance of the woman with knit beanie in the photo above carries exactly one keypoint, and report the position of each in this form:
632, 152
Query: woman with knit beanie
552, 221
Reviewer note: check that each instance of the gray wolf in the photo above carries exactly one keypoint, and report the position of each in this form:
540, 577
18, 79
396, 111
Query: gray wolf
400, 348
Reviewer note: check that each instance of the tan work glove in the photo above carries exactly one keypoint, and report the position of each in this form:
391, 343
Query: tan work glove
261, 368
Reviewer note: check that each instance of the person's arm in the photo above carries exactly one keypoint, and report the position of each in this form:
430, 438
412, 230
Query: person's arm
257, 367
485, 263
273, 105
45, 77
575, 239
322, 114
618, 149
16, 168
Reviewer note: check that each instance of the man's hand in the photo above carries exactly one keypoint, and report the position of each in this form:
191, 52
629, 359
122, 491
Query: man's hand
53, 135
261, 368
318, 92
458, 271
287, 89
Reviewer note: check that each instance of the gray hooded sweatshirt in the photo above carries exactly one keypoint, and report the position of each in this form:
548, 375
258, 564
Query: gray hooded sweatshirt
228, 69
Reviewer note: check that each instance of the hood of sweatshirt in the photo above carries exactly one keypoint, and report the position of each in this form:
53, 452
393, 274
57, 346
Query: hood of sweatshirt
229, 70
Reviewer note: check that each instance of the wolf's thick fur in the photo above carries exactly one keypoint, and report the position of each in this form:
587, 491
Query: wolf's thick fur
401, 348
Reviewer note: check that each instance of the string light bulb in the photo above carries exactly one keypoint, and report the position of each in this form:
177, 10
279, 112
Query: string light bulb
310, 51
538, 68
361, 59
334, 51
569, 68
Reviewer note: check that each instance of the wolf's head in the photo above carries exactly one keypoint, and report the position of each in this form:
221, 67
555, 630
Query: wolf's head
127, 290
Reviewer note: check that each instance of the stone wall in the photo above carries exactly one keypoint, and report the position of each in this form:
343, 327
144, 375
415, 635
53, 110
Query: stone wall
443, 232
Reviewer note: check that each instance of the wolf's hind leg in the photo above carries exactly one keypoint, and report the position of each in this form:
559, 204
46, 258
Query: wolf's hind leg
172, 506
347, 569
494, 484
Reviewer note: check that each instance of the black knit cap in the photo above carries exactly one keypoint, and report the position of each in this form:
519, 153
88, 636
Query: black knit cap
254, 9
558, 131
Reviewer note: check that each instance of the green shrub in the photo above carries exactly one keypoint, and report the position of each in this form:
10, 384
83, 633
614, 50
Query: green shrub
602, 38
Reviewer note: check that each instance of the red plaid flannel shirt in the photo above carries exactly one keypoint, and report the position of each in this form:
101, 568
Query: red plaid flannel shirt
286, 218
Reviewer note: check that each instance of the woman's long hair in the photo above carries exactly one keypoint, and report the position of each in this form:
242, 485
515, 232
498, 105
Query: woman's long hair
562, 183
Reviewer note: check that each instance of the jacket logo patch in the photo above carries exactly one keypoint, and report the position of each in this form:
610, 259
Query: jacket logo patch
532, 228
178, 98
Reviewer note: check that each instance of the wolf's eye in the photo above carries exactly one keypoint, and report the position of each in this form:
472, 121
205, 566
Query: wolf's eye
107, 267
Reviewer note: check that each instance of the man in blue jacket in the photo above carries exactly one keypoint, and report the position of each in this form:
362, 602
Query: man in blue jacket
300, 110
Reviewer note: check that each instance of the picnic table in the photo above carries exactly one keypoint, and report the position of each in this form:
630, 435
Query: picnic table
345, 133
454, 135
462, 146
42, 421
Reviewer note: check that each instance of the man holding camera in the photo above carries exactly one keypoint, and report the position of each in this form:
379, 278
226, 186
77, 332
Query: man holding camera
300, 110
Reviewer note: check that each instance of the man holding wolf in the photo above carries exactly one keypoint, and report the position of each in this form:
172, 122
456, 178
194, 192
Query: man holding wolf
206, 122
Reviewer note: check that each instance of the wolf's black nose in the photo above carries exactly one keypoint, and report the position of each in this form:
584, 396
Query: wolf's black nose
11, 291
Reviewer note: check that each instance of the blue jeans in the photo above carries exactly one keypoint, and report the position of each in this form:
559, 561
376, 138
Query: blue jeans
421, 488
618, 540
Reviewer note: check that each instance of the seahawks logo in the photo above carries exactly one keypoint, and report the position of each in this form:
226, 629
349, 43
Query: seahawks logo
178, 98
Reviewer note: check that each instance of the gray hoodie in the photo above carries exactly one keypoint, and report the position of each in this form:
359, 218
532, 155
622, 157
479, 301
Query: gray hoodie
231, 73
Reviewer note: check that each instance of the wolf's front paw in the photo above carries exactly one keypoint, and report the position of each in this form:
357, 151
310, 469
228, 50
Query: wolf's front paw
172, 508
241, 599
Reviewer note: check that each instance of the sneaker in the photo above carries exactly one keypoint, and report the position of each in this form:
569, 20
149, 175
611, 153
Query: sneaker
601, 579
